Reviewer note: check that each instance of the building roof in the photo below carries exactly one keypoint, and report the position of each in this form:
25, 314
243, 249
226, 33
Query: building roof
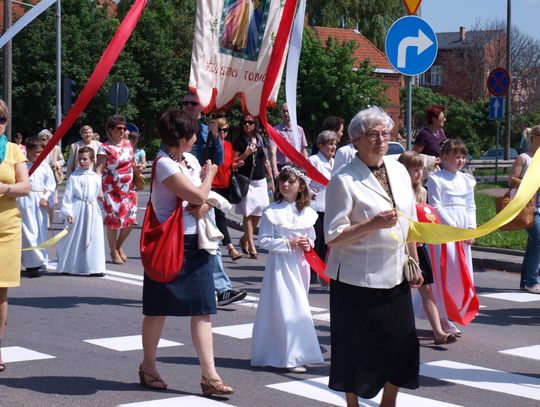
476, 38
365, 49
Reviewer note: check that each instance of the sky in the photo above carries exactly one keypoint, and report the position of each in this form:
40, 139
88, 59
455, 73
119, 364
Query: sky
449, 15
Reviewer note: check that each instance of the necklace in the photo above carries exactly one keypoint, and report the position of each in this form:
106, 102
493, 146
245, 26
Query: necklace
172, 157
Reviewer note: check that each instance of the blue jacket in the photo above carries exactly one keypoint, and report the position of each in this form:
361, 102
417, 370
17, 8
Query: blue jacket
207, 147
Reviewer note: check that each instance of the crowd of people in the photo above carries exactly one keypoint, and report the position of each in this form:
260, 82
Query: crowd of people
360, 233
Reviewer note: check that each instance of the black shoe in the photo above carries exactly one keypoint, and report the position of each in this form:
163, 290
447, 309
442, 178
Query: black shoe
230, 296
33, 272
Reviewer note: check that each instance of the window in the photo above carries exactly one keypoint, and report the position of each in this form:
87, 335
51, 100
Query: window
436, 75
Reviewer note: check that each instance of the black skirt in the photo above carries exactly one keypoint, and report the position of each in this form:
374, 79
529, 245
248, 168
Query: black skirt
425, 264
373, 339
190, 293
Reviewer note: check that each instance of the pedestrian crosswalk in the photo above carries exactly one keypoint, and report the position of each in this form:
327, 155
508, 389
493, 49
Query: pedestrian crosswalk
310, 389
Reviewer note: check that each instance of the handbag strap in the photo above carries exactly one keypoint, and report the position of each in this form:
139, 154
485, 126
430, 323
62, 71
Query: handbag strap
152, 177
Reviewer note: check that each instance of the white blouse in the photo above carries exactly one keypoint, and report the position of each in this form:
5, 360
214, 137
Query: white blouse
353, 196
317, 190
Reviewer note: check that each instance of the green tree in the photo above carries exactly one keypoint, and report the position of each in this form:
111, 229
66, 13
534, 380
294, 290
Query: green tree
372, 18
330, 85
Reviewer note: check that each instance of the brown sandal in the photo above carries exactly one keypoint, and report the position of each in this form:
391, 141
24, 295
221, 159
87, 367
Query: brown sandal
122, 255
445, 339
116, 258
234, 255
151, 381
214, 386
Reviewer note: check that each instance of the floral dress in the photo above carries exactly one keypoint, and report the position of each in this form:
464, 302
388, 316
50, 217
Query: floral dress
120, 202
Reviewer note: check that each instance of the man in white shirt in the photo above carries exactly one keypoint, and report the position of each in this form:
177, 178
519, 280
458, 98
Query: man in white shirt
277, 158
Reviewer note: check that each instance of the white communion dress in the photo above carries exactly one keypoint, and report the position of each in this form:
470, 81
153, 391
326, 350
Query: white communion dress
284, 334
82, 251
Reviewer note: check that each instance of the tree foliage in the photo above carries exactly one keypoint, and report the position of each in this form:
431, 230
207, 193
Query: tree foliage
329, 85
372, 18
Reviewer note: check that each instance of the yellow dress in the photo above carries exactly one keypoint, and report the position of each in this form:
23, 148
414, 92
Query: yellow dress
10, 222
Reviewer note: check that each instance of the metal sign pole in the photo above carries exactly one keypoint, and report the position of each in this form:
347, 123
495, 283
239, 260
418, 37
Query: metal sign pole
497, 150
408, 112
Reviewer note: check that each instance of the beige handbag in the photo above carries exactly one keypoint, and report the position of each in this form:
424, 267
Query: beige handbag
411, 268
524, 219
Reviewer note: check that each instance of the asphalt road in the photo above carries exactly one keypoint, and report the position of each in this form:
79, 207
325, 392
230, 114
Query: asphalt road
73, 341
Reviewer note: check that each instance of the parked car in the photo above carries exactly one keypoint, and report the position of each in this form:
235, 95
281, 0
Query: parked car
395, 149
492, 153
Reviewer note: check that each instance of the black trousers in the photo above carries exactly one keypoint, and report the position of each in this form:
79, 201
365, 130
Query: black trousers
221, 220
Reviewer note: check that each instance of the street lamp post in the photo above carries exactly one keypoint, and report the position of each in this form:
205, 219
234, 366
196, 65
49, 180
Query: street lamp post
7, 64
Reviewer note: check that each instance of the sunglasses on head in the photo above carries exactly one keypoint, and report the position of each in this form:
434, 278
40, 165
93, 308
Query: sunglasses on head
190, 103
223, 129
3, 120
249, 122
121, 128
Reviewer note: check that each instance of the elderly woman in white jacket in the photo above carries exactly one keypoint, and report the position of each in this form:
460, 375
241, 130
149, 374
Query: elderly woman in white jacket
369, 203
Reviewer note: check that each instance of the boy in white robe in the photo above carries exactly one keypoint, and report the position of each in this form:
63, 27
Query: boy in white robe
34, 210
82, 251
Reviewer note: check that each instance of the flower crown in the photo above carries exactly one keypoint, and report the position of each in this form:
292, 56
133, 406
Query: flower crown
297, 173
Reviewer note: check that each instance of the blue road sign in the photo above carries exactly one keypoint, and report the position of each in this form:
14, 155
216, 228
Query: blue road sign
411, 45
498, 81
496, 107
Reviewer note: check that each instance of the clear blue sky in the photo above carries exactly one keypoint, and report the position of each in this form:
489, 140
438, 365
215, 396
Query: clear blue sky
449, 15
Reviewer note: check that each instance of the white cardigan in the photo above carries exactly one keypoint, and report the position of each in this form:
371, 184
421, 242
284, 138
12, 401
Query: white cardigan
354, 195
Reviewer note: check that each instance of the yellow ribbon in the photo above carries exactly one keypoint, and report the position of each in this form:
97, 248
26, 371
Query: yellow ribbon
51, 242
437, 234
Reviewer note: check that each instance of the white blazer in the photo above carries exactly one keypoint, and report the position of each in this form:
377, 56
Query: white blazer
352, 196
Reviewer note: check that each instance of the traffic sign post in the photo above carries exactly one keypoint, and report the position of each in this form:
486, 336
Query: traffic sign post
411, 45
411, 48
498, 82
412, 6
118, 95
496, 107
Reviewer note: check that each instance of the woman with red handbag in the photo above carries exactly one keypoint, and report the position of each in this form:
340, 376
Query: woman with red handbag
177, 176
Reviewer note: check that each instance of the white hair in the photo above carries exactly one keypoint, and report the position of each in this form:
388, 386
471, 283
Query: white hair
367, 119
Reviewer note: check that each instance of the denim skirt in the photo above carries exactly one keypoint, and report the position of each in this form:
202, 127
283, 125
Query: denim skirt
190, 293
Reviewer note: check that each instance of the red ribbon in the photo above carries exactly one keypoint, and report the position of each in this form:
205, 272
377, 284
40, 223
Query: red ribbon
97, 78
316, 264
467, 310
280, 45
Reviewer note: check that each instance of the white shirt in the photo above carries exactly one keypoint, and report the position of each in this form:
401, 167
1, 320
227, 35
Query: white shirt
163, 199
324, 166
353, 196
344, 156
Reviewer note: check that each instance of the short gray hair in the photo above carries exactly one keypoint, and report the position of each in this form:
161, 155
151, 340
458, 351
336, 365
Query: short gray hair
326, 136
45, 132
367, 119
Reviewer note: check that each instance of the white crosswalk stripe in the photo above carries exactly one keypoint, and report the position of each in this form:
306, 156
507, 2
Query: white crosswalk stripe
11, 354
185, 401
513, 296
483, 378
317, 389
531, 352
127, 343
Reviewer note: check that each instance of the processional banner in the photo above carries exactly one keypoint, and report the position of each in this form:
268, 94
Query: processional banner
232, 49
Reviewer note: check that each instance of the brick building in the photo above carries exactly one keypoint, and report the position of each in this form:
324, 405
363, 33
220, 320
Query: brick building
464, 61
366, 50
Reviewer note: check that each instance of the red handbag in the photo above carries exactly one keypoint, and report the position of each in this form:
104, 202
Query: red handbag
162, 244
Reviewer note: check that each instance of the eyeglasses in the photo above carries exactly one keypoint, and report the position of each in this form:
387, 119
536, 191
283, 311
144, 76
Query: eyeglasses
121, 128
248, 122
373, 135
3, 120
190, 103
223, 129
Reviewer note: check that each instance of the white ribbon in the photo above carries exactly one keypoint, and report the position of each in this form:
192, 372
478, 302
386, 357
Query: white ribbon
26, 19
293, 60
